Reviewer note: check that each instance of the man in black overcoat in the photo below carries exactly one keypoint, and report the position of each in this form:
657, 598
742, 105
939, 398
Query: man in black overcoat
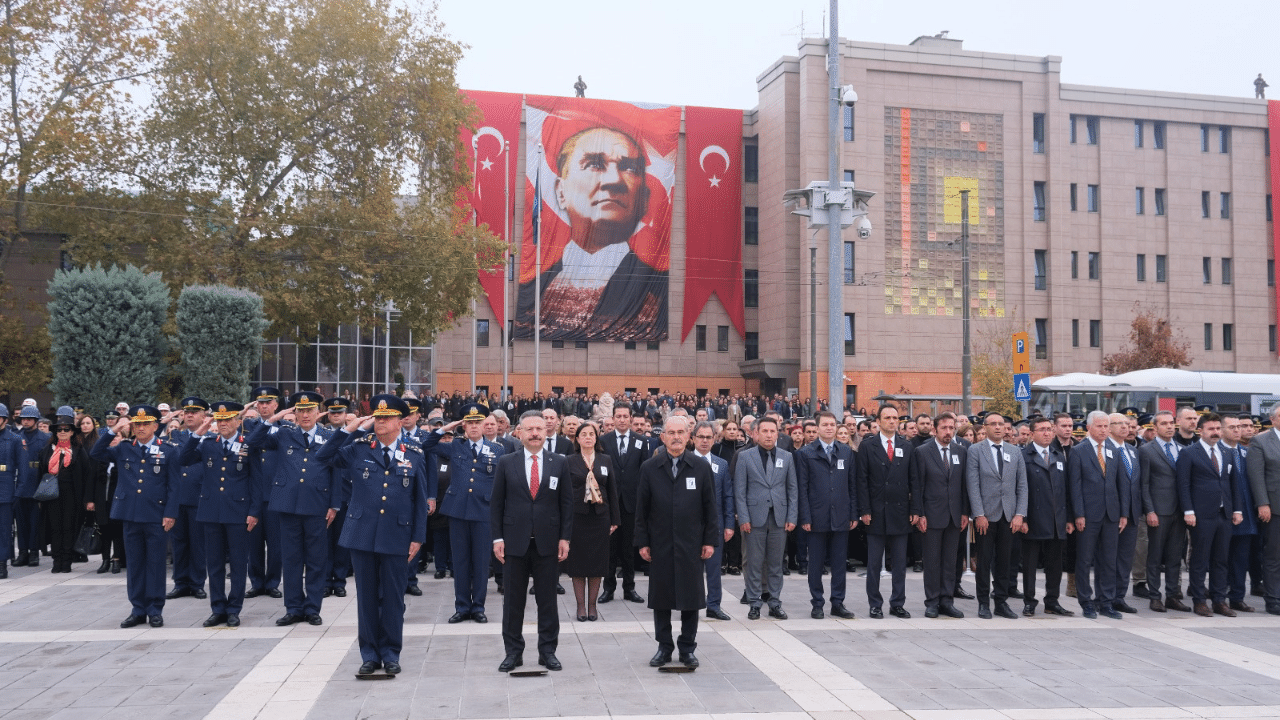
676, 530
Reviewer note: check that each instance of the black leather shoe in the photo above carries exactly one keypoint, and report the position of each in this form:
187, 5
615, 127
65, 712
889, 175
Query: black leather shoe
510, 662
606, 596
4, 571
559, 589
1272, 608
1089, 613
931, 612
34, 561
369, 668
21, 560
480, 617
659, 659
459, 617
104, 567
499, 588
115, 567
1016, 594
900, 612
176, 593
753, 613
328, 592
1141, 590
1110, 612
391, 667
1124, 607
215, 619
156, 621
950, 611
1006, 612
632, 596
1056, 609
918, 567
233, 620
1029, 609
413, 590
960, 593
550, 662
804, 570
717, 614
744, 600
876, 614
776, 612
1240, 606
314, 619
273, 592
133, 621
252, 593
439, 575
199, 594
339, 592
531, 589
288, 619
984, 611
840, 611
689, 660
817, 614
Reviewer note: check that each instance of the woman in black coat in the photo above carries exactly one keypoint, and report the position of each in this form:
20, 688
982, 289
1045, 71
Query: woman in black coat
65, 458
595, 517
104, 489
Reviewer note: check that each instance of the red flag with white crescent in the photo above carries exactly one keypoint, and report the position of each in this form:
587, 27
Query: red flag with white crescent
1273, 125
713, 215
496, 133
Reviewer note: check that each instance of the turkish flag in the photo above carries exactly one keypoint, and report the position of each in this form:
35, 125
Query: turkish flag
489, 149
713, 215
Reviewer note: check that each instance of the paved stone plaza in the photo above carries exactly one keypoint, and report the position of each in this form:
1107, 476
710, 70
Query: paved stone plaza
62, 655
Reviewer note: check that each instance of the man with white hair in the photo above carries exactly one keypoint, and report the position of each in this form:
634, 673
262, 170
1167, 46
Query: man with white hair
1099, 508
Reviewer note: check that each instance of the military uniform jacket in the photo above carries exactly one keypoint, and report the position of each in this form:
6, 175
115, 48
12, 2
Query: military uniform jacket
30, 473
12, 455
471, 478
189, 479
147, 482
387, 509
227, 492
301, 486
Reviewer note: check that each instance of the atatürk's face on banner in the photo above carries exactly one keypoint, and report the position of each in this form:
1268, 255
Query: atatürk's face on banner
601, 186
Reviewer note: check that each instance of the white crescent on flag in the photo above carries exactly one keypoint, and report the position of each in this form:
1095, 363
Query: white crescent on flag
487, 130
709, 150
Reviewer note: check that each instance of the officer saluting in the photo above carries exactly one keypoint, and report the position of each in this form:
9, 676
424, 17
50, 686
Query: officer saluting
339, 567
307, 500
386, 523
472, 461
230, 505
146, 502
188, 537
264, 539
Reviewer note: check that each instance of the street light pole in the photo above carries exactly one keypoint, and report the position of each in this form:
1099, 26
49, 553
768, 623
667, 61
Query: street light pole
966, 370
835, 201
813, 328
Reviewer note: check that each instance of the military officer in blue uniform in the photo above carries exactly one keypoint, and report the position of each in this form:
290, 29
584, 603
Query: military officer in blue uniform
146, 503
264, 539
12, 455
472, 462
409, 423
411, 434
307, 499
336, 409
25, 509
188, 537
386, 524
230, 504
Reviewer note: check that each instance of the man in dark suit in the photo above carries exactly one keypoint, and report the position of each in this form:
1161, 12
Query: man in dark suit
1264, 481
997, 483
1093, 487
884, 492
531, 514
941, 506
1166, 532
828, 500
704, 436
1210, 506
1048, 521
628, 451
556, 442
764, 491
1131, 490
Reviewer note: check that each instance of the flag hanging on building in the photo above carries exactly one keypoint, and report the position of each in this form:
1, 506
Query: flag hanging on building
497, 131
713, 214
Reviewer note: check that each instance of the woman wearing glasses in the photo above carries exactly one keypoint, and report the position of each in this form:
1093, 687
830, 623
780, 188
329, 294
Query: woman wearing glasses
67, 459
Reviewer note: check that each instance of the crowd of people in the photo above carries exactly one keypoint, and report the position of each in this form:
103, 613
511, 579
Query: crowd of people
292, 499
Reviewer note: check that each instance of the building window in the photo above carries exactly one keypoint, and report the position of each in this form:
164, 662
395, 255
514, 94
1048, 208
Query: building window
557, 344
848, 176
1073, 197
482, 333
1208, 336
700, 338
848, 123
1139, 201
1157, 134
1037, 211
1095, 333
1228, 337
1042, 268
848, 263
1204, 138
1271, 338
1137, 133
1206, 270
751, 288
1268, 208
629, 345
1204, 203
1094, 198
1072, 122
1095, 266
751, 225
1225, 209
1226, 271
752, 346
1042, 338
1037, 133
1271, 273
722, 338
1224, 139
1142, 268
850, 348
1162, 268
1160, 208
652, 345
751, 163
1075, 265
1091, 129
511, 267
579, 344
1075, 333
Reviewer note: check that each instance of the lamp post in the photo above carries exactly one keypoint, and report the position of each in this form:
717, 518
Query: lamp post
966, 370
835, 288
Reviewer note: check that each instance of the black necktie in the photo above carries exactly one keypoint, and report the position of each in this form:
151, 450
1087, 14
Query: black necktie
622, 444
999, 459
386, 456
226, 446
306, 441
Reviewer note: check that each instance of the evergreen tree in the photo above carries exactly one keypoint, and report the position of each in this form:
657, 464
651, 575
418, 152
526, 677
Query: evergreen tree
220, 333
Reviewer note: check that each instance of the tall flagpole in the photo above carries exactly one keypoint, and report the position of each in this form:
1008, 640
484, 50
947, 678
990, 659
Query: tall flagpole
475, 220
537, 274
506, 263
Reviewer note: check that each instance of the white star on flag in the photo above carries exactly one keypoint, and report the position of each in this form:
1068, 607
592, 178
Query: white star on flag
486, 164
715, 181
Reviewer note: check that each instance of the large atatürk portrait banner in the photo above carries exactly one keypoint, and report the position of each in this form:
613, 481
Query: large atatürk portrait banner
598, 209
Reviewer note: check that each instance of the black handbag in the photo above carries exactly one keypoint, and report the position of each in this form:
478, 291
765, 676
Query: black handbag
89, 542
47, 489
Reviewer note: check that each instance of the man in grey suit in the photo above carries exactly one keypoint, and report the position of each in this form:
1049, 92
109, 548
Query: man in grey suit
1166, 532
996, 479
1263, 465
765, 491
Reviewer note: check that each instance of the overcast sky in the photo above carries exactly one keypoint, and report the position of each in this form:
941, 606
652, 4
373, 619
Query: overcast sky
709, 52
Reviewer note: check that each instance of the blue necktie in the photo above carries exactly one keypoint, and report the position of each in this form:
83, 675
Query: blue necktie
1128, 464
1168, 451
